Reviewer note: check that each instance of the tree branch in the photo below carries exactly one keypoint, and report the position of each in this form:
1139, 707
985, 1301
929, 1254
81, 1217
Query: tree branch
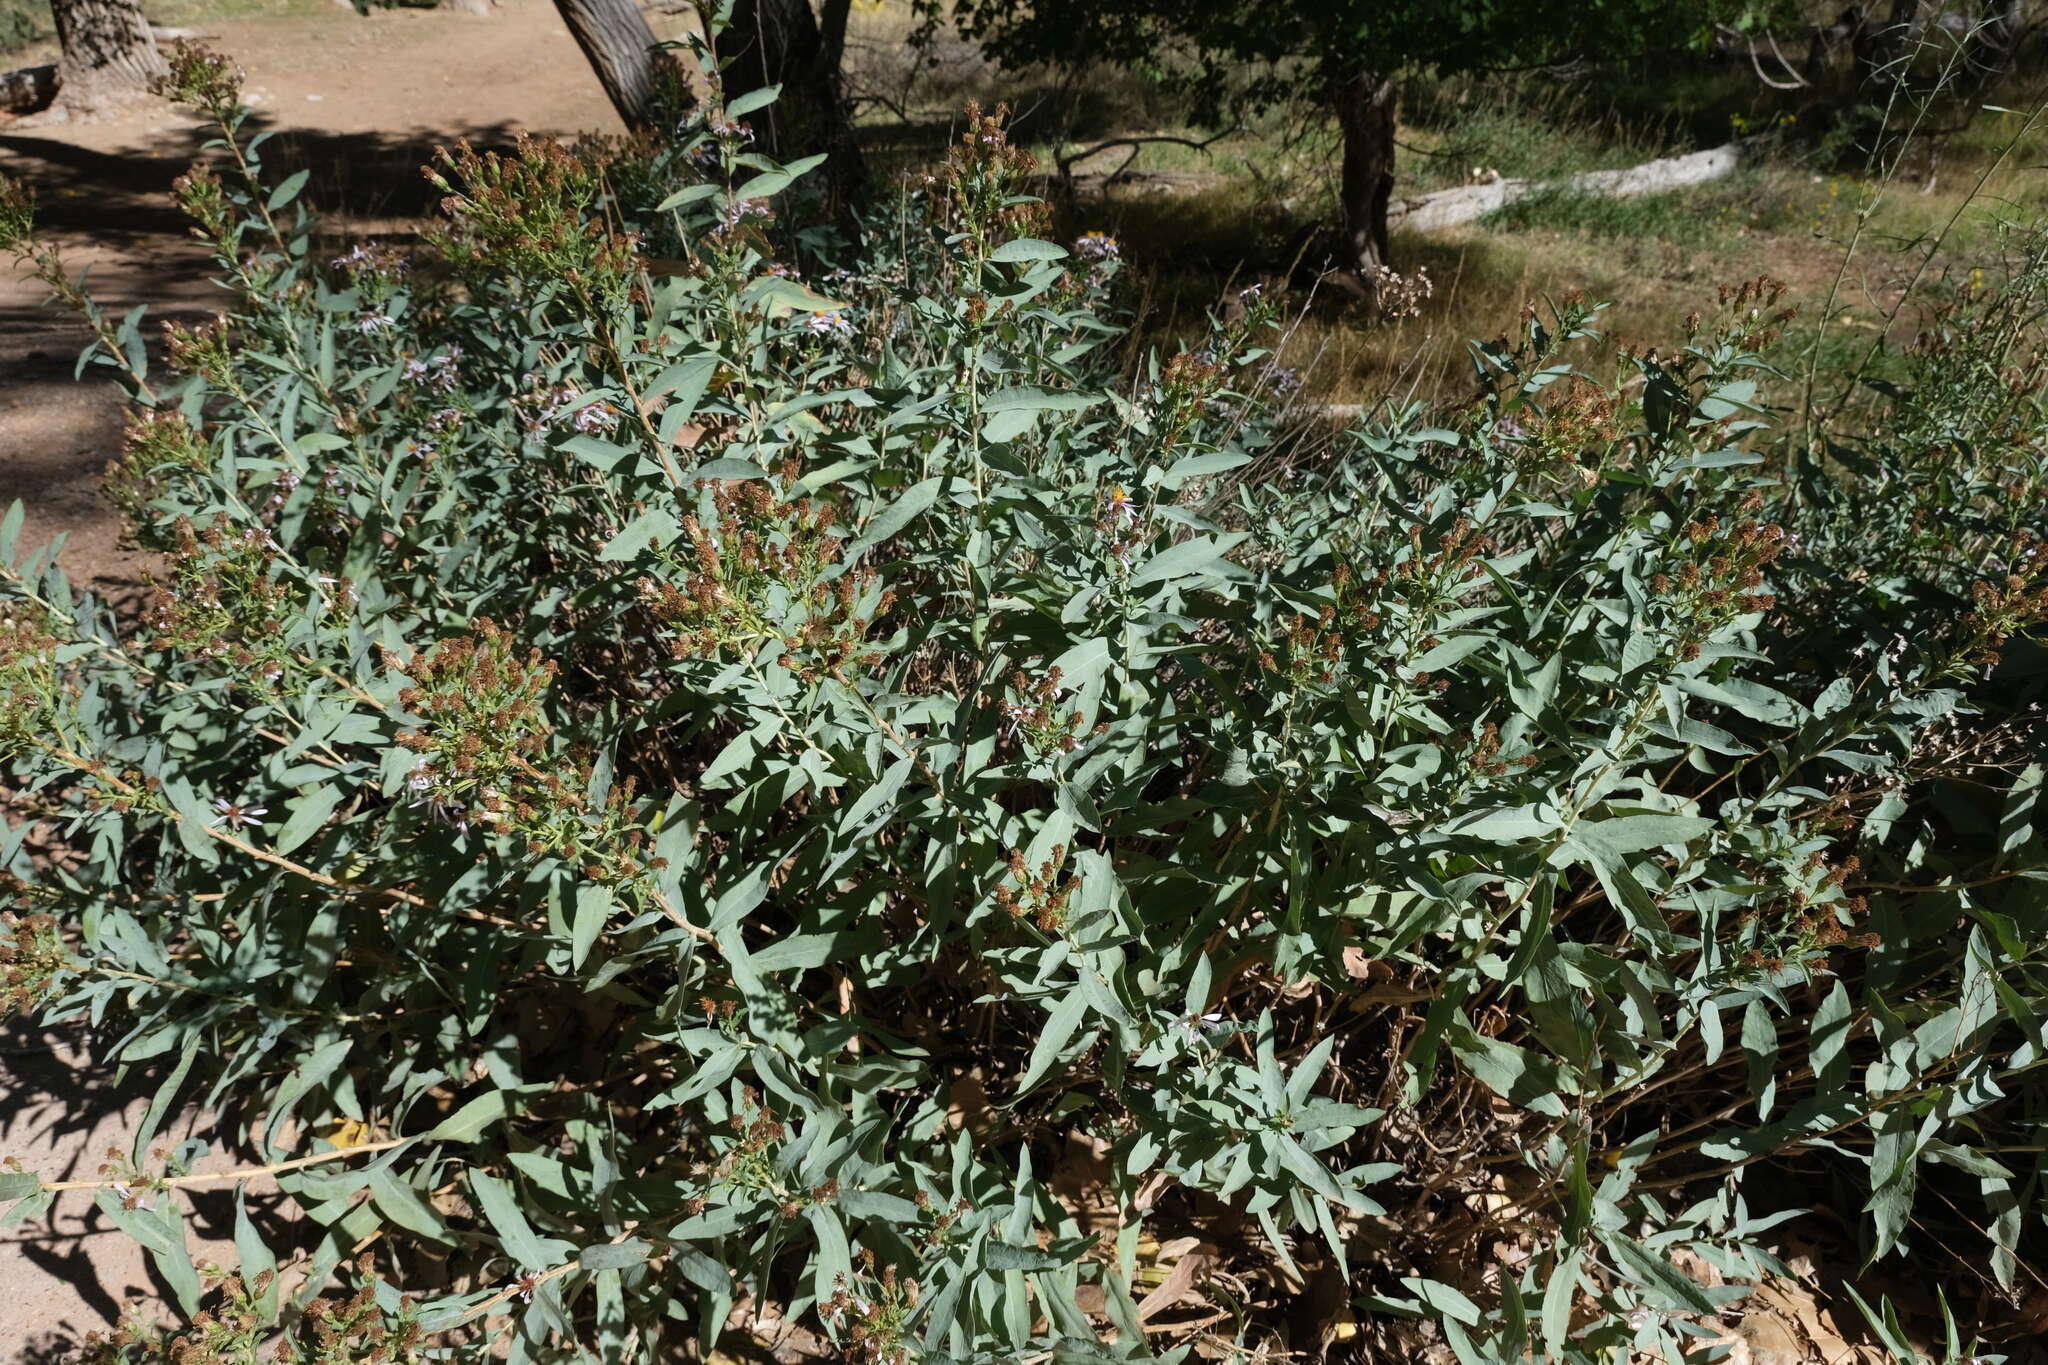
1136, 144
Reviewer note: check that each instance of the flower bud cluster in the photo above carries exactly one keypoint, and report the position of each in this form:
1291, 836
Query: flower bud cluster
483, 734
2012, 605
32, 960
1040, 896
1309, 652
873, 1312
1486, 759
227, 600
31, 683
977, 193
156, 444
206, 350
532, 214
1720, 579
1577, 417
1033, 721
760, 571
748, 1164
17, 217
205, 80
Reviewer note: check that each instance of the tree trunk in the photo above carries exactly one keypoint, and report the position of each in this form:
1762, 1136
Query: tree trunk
623, 52
1365, 103
780, 42
108, 53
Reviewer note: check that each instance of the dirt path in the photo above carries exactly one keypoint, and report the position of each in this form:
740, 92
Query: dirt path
363, 100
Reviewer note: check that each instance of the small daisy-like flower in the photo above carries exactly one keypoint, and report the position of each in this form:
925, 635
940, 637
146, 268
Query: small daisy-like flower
724, 126
132, 1199
597, 418
369, 324
740, 210
822, 323
447, 373
1280, 380
1120, 506
362, 258
446, 809
1097, 246
236, 816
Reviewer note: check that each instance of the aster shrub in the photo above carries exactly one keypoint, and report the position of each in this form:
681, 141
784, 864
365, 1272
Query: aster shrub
686, 779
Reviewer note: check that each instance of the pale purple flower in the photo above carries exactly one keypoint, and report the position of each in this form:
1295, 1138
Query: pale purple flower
596, 419
236, 816
1097, 246
1120, 507
1281, 380
740, 210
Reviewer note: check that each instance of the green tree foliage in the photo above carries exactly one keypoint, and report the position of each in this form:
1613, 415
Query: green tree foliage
23, 21
1342, 55
682, 777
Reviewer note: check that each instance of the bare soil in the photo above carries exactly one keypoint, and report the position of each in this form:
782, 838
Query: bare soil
363, 99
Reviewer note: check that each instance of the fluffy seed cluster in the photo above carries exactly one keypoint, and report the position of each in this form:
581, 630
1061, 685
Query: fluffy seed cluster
1040, 896
227, 600
1721, 579
765, 570
31, 959
483, 733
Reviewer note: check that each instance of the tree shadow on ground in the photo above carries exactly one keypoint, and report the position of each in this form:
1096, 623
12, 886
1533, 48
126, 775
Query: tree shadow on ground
128, 192
60, 1101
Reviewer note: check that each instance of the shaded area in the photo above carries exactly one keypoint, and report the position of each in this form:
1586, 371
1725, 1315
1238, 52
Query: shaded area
71, 1272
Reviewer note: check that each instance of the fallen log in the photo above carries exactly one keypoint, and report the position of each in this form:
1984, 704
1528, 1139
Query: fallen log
28, 89
1446, 208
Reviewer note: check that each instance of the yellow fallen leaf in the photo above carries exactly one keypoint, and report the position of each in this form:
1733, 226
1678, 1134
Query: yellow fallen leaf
348, 1133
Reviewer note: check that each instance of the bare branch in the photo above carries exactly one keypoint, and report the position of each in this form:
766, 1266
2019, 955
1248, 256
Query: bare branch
1066, 164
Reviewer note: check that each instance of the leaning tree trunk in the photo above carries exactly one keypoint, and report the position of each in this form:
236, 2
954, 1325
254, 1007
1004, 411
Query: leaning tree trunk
780, 42
108, 55
1365, 113
623, 52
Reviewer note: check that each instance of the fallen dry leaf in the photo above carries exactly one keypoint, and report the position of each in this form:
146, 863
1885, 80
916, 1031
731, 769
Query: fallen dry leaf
1179, 1284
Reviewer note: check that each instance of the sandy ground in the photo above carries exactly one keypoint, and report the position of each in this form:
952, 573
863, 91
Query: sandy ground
363, 100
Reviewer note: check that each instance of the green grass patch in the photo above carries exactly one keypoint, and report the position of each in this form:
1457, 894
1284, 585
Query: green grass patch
23, 22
